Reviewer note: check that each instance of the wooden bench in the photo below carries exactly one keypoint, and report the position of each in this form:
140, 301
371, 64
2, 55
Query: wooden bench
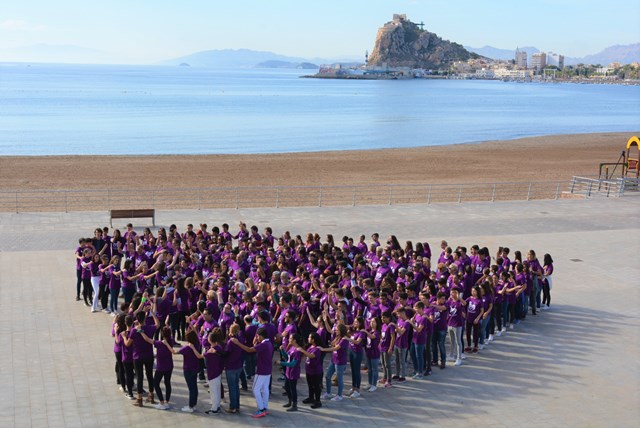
142, 213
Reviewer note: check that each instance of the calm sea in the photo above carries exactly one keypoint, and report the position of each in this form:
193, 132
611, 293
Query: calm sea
88, 110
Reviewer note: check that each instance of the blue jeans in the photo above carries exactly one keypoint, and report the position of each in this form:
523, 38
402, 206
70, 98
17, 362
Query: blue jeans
538, 290
505, 313
113, 302
372, 370
355, 361
417, 358
128, 293
525, 304
192, 384
438, 344
333, 368
233, 383
484, 324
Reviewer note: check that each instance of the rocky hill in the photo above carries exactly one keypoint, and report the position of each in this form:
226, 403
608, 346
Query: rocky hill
402, 43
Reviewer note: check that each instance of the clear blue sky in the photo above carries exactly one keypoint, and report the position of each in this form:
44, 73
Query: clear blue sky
144, 31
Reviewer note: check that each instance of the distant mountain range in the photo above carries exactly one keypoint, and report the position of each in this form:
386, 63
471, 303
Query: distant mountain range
624, 54
247, 58
72, 54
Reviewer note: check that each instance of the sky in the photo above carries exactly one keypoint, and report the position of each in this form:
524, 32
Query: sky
147, 31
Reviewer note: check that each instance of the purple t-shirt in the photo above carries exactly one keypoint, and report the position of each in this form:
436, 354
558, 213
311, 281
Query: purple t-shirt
233, 359
190, 360
142, 350
420, 337
214, 362
474, 307
385, 338
359, 347
372, 348
293, 373
402, 341
264, 355
456, 311
440, 319
339, 357
313, 366
164, 357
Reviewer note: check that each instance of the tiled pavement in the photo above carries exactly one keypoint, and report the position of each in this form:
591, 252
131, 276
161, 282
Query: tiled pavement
575, 365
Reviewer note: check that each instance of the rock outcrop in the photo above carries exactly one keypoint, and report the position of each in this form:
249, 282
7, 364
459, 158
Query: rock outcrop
402, 43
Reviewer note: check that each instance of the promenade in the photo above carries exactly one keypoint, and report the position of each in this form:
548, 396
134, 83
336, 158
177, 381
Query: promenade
574, 365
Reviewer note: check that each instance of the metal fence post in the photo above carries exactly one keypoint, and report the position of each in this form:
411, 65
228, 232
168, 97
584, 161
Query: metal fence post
573, 183
590, 186
354, 197
558, 191
277, 197
460, 194
493, 194
390, 190
429, 197
529, 192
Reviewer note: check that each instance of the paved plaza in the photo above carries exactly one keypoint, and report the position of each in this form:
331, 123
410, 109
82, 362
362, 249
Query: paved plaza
574, 365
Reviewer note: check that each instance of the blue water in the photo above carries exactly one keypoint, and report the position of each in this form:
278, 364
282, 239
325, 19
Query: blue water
85, 109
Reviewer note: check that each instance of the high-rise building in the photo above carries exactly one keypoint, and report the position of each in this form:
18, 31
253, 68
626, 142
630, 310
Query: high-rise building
555, 59
521, 59
539, 61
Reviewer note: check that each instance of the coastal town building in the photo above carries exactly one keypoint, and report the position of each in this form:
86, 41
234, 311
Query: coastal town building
555, 59
521, 59
539, 62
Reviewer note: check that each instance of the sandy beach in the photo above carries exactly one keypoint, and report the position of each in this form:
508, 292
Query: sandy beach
556, 157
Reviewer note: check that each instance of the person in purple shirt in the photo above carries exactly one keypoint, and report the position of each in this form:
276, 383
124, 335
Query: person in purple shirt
215, 363
537, 273
372, 351
313, 370
487, 327
356, 353
233, 366
420, 340
292, 371
339, 349
475, 311
190, 367
164, 366
127, 355
455, 323
118, 327
143, 356
263, 348
440, 315
387, 344
403, 327
547, 271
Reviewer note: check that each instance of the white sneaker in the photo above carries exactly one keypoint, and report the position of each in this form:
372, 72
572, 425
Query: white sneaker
373, 388
355, 394
545, 308
326, 396
187, 409
499, 333
458, 362
491, 337
93, 311
481, 346
451, 358
511, 326
463, 356
337, 398
351, 391
504, 329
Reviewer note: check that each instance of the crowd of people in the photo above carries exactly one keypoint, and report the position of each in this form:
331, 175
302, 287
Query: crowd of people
242, 303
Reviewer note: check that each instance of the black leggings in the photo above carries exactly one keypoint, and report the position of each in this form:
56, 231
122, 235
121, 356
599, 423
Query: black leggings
546, 295
167, 384
144, 367
291, 387
120, 380
128, 376
103, 295
315, 386
178, 324
87, 290
79, 282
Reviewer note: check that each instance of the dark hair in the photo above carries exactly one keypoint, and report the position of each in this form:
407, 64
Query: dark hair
166, 333
547, 259
192, 338
315, 337
262, 332
216, 335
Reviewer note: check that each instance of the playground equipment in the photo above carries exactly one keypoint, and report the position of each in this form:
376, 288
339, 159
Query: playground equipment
628, 162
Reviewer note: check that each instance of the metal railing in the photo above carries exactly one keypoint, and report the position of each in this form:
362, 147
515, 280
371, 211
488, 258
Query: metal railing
282, 196
589, 187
